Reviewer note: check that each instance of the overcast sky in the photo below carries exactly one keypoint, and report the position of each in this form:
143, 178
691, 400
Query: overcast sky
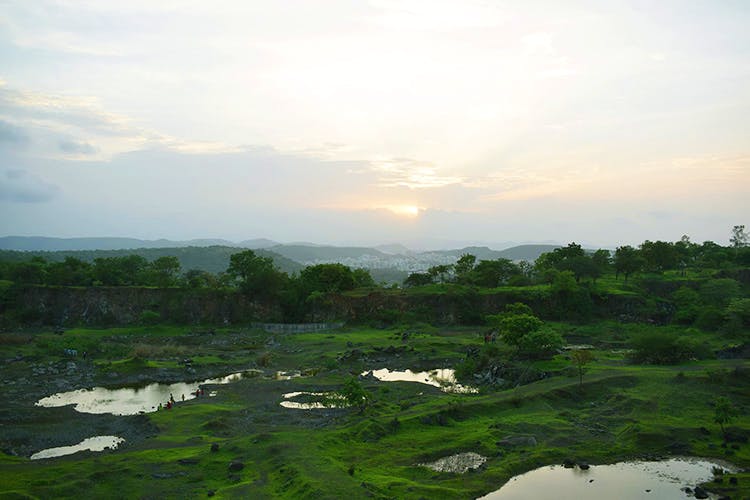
378, 121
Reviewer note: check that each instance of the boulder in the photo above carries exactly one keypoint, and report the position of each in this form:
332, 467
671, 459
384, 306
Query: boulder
236, 466
699, 492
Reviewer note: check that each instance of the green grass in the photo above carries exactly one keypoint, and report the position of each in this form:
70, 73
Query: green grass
622, 411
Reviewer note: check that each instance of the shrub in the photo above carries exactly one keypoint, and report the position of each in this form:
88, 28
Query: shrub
149, 317
665, 348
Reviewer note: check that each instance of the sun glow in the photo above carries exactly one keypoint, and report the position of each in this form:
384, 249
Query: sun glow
404, 210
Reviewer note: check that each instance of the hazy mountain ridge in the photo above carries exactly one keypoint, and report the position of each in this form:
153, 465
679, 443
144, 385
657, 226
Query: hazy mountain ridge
214, 259
392, 263
50, 244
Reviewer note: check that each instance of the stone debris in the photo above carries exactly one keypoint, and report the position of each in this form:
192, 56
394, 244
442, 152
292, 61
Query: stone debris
458, 464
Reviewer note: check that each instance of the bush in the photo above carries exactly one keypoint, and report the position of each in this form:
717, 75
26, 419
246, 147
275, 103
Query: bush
665, 348
540, 343
149, 317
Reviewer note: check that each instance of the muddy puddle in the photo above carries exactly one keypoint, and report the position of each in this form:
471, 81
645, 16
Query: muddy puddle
134, 400
663, 480
96, 443
444, 378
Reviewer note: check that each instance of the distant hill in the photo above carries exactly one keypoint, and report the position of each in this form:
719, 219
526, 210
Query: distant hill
394, 249
520, 252
43, 243
526, 252
257, 243
305, 254
213, 259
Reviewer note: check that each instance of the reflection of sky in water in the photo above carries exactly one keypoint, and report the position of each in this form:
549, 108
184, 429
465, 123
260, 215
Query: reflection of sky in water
624, 481
312, 405
96, 443
130, 400
443, 378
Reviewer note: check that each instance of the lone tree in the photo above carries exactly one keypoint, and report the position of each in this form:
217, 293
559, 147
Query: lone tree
580, 358
724, 412
739, 237
627, 261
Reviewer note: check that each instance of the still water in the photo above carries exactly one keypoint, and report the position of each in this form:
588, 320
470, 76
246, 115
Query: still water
96, 443
444, 378
131, 400
661, 480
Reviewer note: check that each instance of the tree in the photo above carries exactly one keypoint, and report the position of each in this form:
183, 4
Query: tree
197, 278
581, 266
327, 278
493, 273
627, 261
164, 271
33, 272
540, 343
440, 272
739, 237
353, 394
659, 255
256, 275
464, 266
602, 260
120, 271
362, 278
724, 412
70, 272
514, 327
418, 279
580, 358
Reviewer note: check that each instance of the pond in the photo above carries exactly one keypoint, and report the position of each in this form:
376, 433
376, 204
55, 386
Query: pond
333, 400
133, 400
663, 480
444, 378
96, 443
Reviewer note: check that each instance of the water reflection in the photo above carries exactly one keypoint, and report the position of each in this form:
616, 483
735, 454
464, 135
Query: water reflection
444, 378
625, 481
325, 400
96, 443
133, 400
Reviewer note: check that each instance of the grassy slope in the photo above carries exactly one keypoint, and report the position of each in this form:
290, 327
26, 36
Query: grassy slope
622, 411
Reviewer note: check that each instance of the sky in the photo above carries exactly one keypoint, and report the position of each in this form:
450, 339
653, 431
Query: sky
364, 122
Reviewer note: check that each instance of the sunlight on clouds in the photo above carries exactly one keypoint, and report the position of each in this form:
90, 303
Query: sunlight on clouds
412, 174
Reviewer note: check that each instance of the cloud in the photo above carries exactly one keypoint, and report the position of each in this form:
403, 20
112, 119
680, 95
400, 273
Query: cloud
12, 134
51, 121
413, 174
81, 148
21, 186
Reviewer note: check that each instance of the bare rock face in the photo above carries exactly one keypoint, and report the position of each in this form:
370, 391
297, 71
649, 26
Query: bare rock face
459, 464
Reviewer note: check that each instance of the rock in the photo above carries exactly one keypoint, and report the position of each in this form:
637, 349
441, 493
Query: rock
583, 466
187, 461
457, 464
568, 463
699, 492
236, 466
210, 493
214, 447
517, 441
732, 480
